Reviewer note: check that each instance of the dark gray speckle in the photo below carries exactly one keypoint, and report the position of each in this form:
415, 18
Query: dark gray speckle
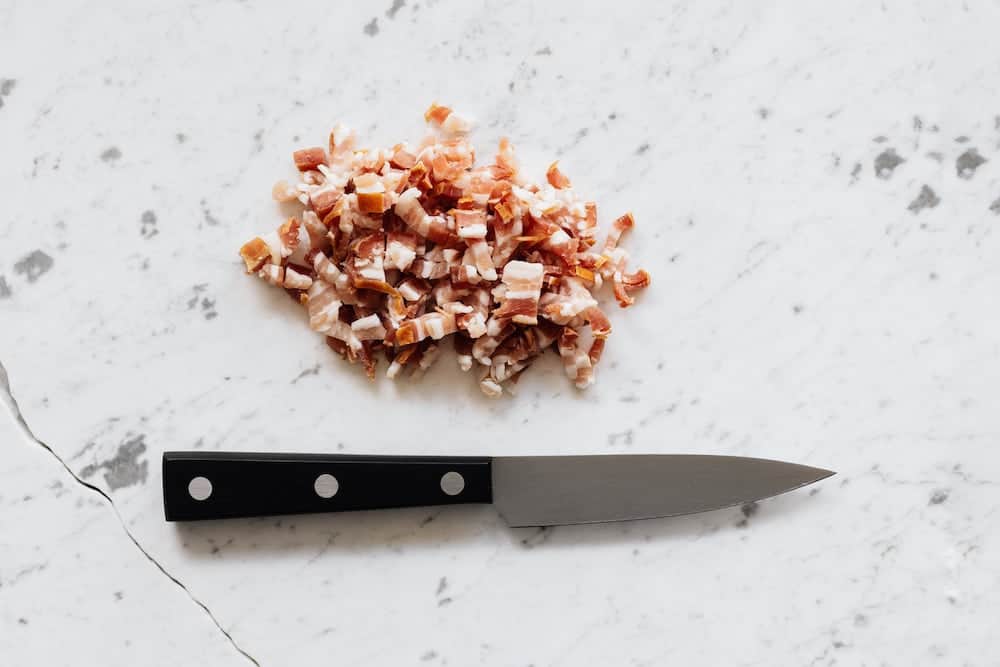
918, 124
34, 265
747, 510
510, 86
626, 437
855, 172
119, 595
197, 289
148, 221
371, 28
111, 154
860, 620
396, 6
7, 86
180, 137
886, 162
539, 537
995, 206
442, 585
4, 288
936, 156
22, 621
309, 371
642, 149
962, 139
208, 308
925, 199
967, 163
124, 468
444, 601
210, 219
763, 112
798, 308
429, 655
544, 51
880, 139
938, 497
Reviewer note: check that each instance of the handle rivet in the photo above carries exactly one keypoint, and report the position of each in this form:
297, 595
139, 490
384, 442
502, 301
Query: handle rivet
326, 486
452, 483
200, 488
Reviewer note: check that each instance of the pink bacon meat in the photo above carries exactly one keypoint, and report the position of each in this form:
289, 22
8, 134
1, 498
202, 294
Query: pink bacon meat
395, 249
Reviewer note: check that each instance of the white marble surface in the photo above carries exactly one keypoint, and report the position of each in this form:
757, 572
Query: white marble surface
805, 307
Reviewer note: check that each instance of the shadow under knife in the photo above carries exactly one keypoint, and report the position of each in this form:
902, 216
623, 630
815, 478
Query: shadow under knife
433, 527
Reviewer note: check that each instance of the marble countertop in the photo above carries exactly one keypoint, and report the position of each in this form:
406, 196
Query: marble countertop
817, 192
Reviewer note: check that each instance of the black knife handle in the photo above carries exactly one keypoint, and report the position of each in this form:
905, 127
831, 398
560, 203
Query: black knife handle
245, 484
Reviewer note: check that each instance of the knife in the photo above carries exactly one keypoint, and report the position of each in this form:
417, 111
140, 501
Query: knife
526, 490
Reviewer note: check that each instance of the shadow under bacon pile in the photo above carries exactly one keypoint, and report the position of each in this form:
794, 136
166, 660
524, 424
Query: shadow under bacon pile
397, 248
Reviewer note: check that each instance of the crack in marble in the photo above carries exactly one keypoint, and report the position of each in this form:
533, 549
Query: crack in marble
15, 410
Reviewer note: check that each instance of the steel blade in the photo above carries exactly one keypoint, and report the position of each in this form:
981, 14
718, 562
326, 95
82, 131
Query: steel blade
556, 490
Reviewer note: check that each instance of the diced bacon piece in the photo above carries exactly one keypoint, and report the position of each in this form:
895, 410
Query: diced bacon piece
623, 284
432, 227
308, 159
599, 322
471, 224
413, 289
596, 350
563, 246
341, 142
368, 254
283, 192
463, 352
323, 305
255, 254
288, 235
400, 250
484, 259
280, 276
428, 270
436, 114
572, 299
465, 275
555, 177
506, 166
619, 227
576, 362
368, 328
315, 233
524, 286
433, 325
323, 200
402, 158
367, 357
484, 346
370, 191
490, 387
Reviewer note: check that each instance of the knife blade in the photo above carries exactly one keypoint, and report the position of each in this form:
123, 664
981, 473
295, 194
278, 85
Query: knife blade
526, 490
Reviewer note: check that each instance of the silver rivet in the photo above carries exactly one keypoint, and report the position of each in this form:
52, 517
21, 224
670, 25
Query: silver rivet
452, 483
326, 486
200, 488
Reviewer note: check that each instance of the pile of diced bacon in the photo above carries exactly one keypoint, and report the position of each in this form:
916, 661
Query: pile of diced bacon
396, 249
